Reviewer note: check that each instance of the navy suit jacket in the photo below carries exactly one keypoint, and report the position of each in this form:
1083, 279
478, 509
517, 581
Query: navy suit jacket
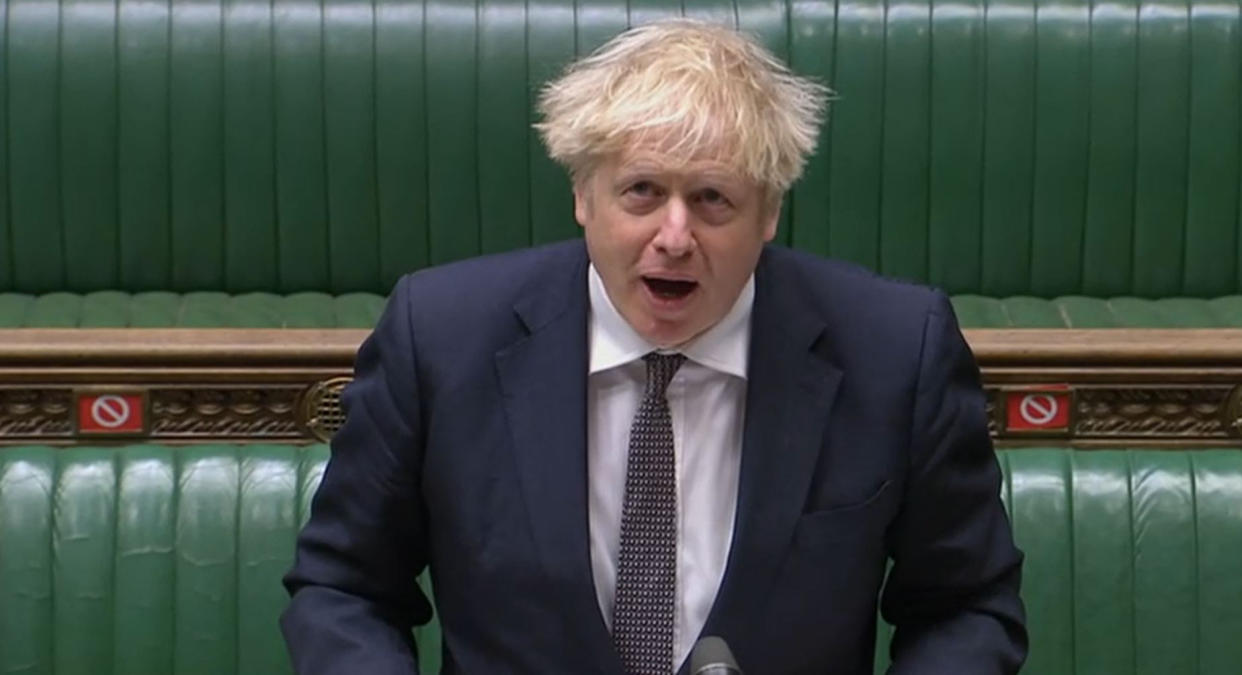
464, 449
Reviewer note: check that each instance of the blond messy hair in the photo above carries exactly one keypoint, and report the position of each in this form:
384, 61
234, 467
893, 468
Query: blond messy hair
690, 89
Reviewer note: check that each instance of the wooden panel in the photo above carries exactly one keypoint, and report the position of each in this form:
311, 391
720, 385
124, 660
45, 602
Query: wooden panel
1085, 388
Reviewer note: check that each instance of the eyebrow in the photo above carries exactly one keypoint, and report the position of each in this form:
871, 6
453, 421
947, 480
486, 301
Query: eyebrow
642, 167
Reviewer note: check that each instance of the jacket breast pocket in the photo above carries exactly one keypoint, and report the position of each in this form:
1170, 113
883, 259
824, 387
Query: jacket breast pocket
854, 525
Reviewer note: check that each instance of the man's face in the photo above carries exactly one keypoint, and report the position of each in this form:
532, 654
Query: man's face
674, 243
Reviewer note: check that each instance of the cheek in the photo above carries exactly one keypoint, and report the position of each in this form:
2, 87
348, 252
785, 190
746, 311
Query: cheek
608, 244
625, 238
728, 254
614, 248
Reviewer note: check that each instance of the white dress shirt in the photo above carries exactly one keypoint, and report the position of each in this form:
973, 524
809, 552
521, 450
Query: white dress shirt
706, 399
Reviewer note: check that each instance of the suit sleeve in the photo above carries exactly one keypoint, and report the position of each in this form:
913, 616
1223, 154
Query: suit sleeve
354, 597
952, 593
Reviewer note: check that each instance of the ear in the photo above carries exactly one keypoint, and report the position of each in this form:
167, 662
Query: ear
770, 219
582, 202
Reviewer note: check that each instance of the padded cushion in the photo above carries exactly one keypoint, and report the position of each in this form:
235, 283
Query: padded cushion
1131, 559
113, 309
1001, 148
150, 560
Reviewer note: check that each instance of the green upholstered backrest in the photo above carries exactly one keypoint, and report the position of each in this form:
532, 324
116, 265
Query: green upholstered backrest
1133, 559
201, 309
998, 147
154, 560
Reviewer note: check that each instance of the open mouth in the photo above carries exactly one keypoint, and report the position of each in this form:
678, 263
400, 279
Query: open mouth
670, 289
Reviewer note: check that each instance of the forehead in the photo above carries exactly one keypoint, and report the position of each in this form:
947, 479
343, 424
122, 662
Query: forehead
649, 160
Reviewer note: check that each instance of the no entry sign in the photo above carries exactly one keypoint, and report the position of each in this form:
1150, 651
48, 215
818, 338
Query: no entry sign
115, 413
1038, 409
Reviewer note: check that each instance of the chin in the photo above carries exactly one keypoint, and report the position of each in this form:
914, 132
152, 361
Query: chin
669, 336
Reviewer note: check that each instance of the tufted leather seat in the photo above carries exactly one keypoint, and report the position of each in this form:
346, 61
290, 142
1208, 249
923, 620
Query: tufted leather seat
148, 559
209, 309
203, 309
1072, 151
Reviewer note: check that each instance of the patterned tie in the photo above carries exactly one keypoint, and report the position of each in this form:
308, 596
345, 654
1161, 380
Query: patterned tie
642, 619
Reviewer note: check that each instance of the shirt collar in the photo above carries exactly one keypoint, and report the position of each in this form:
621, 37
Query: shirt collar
724, 347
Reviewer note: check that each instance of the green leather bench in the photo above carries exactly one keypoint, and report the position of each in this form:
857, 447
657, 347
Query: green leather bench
215, 309
256, 163
146, 559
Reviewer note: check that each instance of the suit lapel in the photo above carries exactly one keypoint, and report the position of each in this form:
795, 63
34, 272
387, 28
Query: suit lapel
790, 389
543, 378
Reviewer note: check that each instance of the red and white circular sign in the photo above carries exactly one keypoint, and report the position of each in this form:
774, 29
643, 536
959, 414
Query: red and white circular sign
1042, 410
110, 412
1038, 409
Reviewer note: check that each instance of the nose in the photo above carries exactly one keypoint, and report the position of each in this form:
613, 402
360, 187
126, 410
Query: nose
674, 237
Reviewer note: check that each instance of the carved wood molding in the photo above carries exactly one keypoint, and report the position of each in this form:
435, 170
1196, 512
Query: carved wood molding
1101, 388
204, 413
63, 386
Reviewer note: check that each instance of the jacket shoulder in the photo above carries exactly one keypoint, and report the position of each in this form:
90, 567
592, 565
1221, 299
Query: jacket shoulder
483, 284
875, 324
835, 286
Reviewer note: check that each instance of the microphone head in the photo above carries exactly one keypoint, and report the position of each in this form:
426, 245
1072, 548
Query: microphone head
711, 656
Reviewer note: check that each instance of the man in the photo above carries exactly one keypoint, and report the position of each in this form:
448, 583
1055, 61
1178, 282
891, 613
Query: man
604, 451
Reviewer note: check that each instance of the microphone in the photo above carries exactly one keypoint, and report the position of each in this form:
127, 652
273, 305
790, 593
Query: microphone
711, 656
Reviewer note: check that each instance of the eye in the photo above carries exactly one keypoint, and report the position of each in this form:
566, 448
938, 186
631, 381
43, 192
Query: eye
642, 188
713, 197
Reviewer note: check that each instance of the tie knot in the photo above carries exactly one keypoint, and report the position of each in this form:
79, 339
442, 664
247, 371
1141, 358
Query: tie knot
660, 371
